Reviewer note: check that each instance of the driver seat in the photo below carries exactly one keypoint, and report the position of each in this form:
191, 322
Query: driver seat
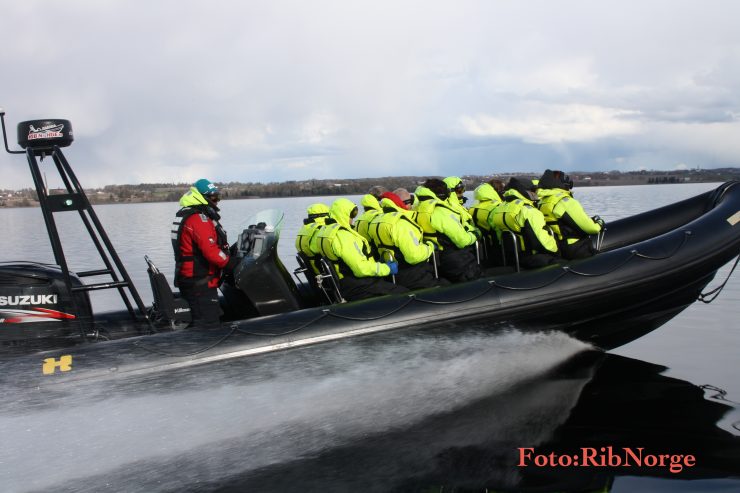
168, 309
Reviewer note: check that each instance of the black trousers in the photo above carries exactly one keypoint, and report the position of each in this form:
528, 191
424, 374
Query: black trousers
204, 306
459, 264
582, 248
537, 260
418, 276
359, 288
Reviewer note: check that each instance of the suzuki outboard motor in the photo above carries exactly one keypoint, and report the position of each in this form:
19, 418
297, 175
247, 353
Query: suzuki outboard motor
35, 303
261, 285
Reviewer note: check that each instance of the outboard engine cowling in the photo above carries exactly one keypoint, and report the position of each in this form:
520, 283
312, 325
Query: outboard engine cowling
35, 302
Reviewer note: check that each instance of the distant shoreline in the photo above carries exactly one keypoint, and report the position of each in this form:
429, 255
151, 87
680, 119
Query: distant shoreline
169, 192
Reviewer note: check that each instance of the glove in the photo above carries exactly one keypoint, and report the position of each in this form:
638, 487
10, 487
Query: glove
477, 233
598, 221
393, 266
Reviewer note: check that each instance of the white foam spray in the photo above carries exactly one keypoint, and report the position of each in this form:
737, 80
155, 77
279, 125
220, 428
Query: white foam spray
322, 397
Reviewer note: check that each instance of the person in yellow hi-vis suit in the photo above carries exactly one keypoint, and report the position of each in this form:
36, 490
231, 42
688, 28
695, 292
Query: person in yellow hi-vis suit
443, 225
370, 203
397, 236
566, 217
518, 214
360, 275
317, 214
486, 199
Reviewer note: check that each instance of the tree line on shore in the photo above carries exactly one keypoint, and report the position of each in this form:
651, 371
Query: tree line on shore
171, 192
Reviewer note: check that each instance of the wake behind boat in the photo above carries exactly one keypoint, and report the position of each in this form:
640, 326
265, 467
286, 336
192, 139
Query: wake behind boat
650, 267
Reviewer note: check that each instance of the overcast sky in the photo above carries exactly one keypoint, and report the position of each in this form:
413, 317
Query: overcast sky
171, 91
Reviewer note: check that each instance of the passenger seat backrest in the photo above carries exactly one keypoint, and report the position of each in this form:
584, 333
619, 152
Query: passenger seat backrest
167, 308
304, 267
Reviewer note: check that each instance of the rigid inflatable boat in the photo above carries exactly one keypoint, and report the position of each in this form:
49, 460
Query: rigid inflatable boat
649, 268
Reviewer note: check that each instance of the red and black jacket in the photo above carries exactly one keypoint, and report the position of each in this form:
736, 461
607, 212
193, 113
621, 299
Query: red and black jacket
200, 245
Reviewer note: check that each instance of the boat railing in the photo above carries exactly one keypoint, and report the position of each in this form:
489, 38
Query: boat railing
325, 284
600, 239
515, 247
388, 257
434, 263
328, 281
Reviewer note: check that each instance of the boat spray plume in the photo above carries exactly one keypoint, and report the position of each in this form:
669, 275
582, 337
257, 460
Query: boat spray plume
267, 410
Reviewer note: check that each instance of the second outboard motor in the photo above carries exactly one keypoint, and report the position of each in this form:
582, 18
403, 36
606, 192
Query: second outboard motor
261, 285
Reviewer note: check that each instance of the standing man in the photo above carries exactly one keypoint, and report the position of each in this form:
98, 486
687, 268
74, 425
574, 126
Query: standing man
201, 252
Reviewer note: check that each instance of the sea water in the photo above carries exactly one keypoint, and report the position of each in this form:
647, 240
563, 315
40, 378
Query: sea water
399, 412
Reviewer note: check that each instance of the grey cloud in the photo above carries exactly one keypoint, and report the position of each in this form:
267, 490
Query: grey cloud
293, 90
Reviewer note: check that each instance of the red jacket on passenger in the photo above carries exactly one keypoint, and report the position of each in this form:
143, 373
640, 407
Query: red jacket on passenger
201, 247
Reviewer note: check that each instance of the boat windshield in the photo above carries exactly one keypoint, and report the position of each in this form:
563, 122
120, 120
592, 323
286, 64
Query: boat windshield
271, 220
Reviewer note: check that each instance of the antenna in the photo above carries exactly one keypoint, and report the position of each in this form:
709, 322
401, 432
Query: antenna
5, 136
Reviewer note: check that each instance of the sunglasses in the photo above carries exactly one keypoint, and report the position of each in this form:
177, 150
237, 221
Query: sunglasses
410, 200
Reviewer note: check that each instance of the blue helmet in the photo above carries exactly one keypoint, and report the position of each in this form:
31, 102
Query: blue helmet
206, 187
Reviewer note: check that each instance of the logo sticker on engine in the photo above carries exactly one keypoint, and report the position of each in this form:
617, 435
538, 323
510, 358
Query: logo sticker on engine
734, 219
14, 316
28, 299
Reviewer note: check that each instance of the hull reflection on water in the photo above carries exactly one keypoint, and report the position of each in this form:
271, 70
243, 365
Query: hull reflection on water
594, 400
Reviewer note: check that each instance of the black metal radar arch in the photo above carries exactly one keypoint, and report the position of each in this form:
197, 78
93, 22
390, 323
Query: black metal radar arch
46, 137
